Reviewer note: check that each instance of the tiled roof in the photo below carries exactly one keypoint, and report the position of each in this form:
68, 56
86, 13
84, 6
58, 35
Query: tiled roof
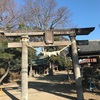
40, 61
93, 46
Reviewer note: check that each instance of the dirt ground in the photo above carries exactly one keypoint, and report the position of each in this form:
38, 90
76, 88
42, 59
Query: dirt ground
55, 87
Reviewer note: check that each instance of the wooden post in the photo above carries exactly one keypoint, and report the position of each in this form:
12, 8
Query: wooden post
24, 83
76, 68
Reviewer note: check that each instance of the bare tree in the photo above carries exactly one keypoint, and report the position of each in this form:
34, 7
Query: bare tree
8, 13
2, 9
45, 14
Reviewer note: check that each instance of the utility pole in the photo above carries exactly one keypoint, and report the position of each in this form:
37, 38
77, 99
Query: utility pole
76, 68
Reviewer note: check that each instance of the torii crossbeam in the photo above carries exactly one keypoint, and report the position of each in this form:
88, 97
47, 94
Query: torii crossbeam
77, 31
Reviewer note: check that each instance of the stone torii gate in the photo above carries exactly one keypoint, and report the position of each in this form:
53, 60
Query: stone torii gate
48, 41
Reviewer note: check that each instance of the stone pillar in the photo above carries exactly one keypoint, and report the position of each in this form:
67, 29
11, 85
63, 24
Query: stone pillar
31, 71
24, 70
76, 68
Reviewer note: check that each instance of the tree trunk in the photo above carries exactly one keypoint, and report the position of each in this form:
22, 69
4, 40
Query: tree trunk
50, 69
68, 75
1, 79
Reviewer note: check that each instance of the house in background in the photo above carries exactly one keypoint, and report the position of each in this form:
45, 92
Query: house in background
88, 62
90, 54
42, 66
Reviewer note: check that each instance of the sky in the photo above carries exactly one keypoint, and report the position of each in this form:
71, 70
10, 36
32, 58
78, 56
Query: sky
85, 13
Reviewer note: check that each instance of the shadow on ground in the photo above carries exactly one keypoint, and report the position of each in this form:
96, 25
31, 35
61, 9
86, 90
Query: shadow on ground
56, 89
57, 78
57, 85
9, 94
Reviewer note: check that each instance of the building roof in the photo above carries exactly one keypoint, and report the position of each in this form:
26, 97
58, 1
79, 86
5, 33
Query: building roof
93, 48
40, 61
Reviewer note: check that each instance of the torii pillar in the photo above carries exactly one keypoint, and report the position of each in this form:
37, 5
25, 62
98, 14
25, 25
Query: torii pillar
24, 70
76, 68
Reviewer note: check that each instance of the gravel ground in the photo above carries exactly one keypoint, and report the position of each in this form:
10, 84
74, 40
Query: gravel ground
55, 87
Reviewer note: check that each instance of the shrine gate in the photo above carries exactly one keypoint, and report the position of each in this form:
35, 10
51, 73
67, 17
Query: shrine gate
48, 41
